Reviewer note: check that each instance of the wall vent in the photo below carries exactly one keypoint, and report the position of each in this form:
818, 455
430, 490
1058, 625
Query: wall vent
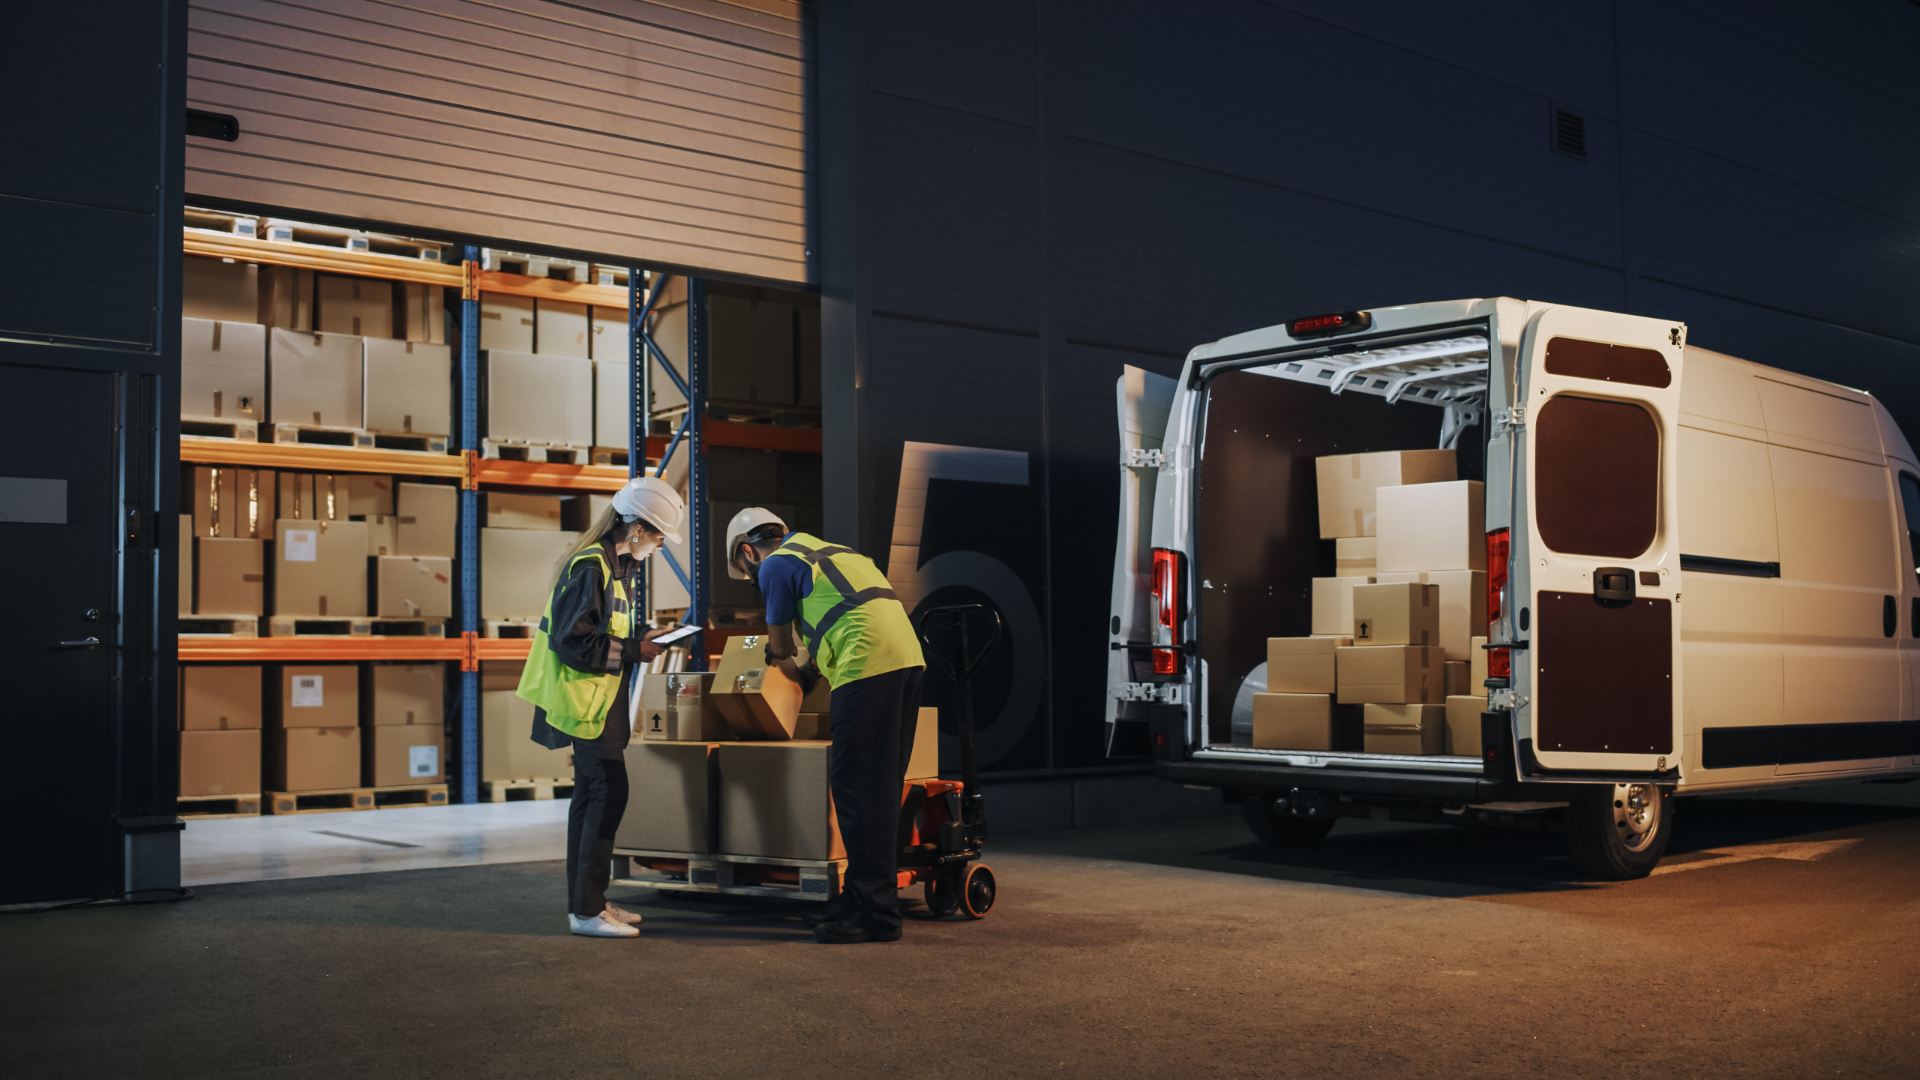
1569, 133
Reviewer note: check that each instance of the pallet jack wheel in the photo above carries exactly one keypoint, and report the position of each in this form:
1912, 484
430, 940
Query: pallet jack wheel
943, 894
977, 891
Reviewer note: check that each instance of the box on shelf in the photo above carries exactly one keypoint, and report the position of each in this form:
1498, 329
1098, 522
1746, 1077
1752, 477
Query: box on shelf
1463, 605
383, 534
517, 568
1477, 666
217, 289
1405, 729
539, 399
1333, 605
757, 700
507, 751
1435, 526
230, 576
1348, 482
1286, 721
608, 337
507, 510
413, 586
501, 674
677, 706
313, 758
424, 519
1389, 675
1407, 613
750, 345
286, 297
234, 503
311, 497
216, 763
316, 695
775, 802
320, 568
316, 378
409, 387
368, 494
673, 800
397, 694
423, 313
612, 419
1355, 556
506, 322
184, 559
560, 328
353, 305
1302, 665
223, 370
398, 755
579, 512
1463, 724
220, 697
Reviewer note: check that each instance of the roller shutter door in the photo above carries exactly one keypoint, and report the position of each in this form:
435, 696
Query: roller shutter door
668, 132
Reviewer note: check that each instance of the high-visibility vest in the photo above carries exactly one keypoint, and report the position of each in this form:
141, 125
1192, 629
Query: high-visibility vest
576, 702
853, 624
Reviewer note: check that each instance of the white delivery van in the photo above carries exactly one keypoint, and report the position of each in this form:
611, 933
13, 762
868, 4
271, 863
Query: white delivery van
1704, 573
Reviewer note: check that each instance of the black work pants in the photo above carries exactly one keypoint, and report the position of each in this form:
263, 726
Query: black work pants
873, 722
599, 801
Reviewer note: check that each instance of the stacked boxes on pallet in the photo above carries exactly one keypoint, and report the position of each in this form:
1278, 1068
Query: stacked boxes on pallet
313, 735
404, 735
219, 730
521, 547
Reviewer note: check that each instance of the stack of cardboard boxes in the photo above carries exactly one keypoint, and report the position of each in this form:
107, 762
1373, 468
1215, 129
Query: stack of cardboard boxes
1395, 659
522, 543
219, 730
539, 372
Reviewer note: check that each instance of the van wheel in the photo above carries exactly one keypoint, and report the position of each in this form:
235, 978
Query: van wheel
1282, 831
1620, 832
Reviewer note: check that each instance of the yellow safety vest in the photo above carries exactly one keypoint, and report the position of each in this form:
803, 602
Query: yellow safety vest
853, 624
576, 702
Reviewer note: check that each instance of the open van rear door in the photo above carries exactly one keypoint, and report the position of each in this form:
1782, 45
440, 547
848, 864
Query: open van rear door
1592, 593
1144, 401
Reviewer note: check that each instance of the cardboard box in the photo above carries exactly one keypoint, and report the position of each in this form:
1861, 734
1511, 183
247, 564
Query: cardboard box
409, 387
923, 763
1433, 527
220, 762
608, 336
1333, 605
579, 512
368, 495
612, 395
413, 586
517, 568
1293, 721
1463, 605
1389, 675
354, 305
1302, 665
223, 370
1348, 482
750, 343
1463, 724
383, 535
1477, 666
230, 576
507, 749
220, 697
320, 568
217, 289
1406, 613
310, 497
677, 707
425, 518
317, 696
511, 511
286, 297
1355, 556
401, 694
501, 674
313, 758
506, 322
673, 798
758, 701
233, 503
316, 378
817, 725
1405, 729
539, 399
423, 313
1457, 674
775, 802
398, 755
183, 556
560, 328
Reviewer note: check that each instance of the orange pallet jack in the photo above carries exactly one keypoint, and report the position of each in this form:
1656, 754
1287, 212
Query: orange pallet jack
943, 823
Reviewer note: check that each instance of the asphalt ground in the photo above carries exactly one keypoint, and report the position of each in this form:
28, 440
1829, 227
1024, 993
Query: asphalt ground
1780, 939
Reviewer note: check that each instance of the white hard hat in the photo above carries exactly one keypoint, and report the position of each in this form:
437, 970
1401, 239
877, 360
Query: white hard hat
652, 500
743, 525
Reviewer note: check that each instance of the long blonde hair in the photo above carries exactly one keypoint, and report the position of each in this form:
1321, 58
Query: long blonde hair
606, 522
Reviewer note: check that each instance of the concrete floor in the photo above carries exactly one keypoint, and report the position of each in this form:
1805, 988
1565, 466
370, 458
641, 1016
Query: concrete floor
1780, 941
220, 851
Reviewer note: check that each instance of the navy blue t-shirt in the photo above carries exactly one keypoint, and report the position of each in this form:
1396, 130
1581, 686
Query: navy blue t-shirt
784, 582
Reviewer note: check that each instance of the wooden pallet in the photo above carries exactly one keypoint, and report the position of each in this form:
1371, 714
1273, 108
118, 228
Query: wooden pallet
732, 875
610, 455
239, 626
219, 806
422, 444
408, 626
527, 264
237, 430
401, 796
520, 450
319, 802
346, 239
221, 221
508, 628
603, 274
321, 435
526, 790
319, 626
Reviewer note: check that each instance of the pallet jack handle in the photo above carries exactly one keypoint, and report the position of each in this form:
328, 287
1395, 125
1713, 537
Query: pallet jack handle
960, 667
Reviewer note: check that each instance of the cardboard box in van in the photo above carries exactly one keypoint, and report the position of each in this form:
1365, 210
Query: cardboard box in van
1302, 665
1333, 605
1458, 673
1354, 556
1405, 729
1463, 605
1433, 527
1463, 724
1389, 675
1347, 483
1477, 667
1407, 613
1293, 721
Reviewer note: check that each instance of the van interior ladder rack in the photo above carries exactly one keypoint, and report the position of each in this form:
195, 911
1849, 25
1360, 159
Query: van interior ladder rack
1449, 372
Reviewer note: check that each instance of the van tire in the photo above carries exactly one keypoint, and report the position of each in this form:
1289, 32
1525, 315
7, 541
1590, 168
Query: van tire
1282, 831
1620, 832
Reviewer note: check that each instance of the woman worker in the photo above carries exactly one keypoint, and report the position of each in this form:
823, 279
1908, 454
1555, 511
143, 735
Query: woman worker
578, 674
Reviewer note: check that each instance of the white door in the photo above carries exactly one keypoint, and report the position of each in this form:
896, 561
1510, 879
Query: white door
1593, 591
1144, 400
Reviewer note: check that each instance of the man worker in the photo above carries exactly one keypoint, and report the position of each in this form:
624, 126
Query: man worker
853, 628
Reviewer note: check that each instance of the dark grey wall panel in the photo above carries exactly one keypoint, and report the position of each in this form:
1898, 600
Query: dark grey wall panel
75, 249
111, 161
1869, 43
975, 57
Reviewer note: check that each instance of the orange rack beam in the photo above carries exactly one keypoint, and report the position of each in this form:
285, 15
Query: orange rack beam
542, 474
573, 292
314, 649
268, 455
325, 259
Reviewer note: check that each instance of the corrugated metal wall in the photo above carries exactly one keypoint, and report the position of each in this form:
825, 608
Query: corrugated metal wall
671, 132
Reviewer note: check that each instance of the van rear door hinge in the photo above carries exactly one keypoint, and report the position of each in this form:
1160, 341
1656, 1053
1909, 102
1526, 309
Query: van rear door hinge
1143, 458
1160, 693
1511, 418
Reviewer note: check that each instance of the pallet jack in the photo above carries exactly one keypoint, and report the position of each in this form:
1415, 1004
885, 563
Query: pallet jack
943, 823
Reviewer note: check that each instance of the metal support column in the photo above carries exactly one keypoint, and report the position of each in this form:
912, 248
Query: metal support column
697, 546
469, 527
639, 400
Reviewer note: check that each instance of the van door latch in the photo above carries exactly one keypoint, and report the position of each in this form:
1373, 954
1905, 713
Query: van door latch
1158, 693
1144, 458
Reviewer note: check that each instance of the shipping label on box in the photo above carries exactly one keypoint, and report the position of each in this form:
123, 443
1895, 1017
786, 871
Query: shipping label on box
1302, 665
1435, 526
220, 697
1405, 729
313, 758
220, 763
320, 568
1354, 556
1389, 675
409, 387
223, 370
506, 510
1347, 483
560, 328
407, 694
230, 576
1463, 724
316, 378
1333, 605
673, 805
1477, 666
220, 290
1401, 614
414, 586
318, 695
359, 306
425, 519
517, 568
506, 322
1293, 721
1463, 605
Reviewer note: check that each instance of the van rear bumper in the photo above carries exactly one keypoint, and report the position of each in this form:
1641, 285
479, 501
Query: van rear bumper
1361, 783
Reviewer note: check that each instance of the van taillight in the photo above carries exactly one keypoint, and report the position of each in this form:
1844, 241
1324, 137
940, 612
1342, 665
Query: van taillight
1499, 556
1167, 575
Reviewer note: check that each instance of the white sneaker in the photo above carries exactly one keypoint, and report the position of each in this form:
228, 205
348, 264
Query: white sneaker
600, 926
620, 914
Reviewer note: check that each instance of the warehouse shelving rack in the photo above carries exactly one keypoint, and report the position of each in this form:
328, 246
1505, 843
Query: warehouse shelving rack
476, 473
